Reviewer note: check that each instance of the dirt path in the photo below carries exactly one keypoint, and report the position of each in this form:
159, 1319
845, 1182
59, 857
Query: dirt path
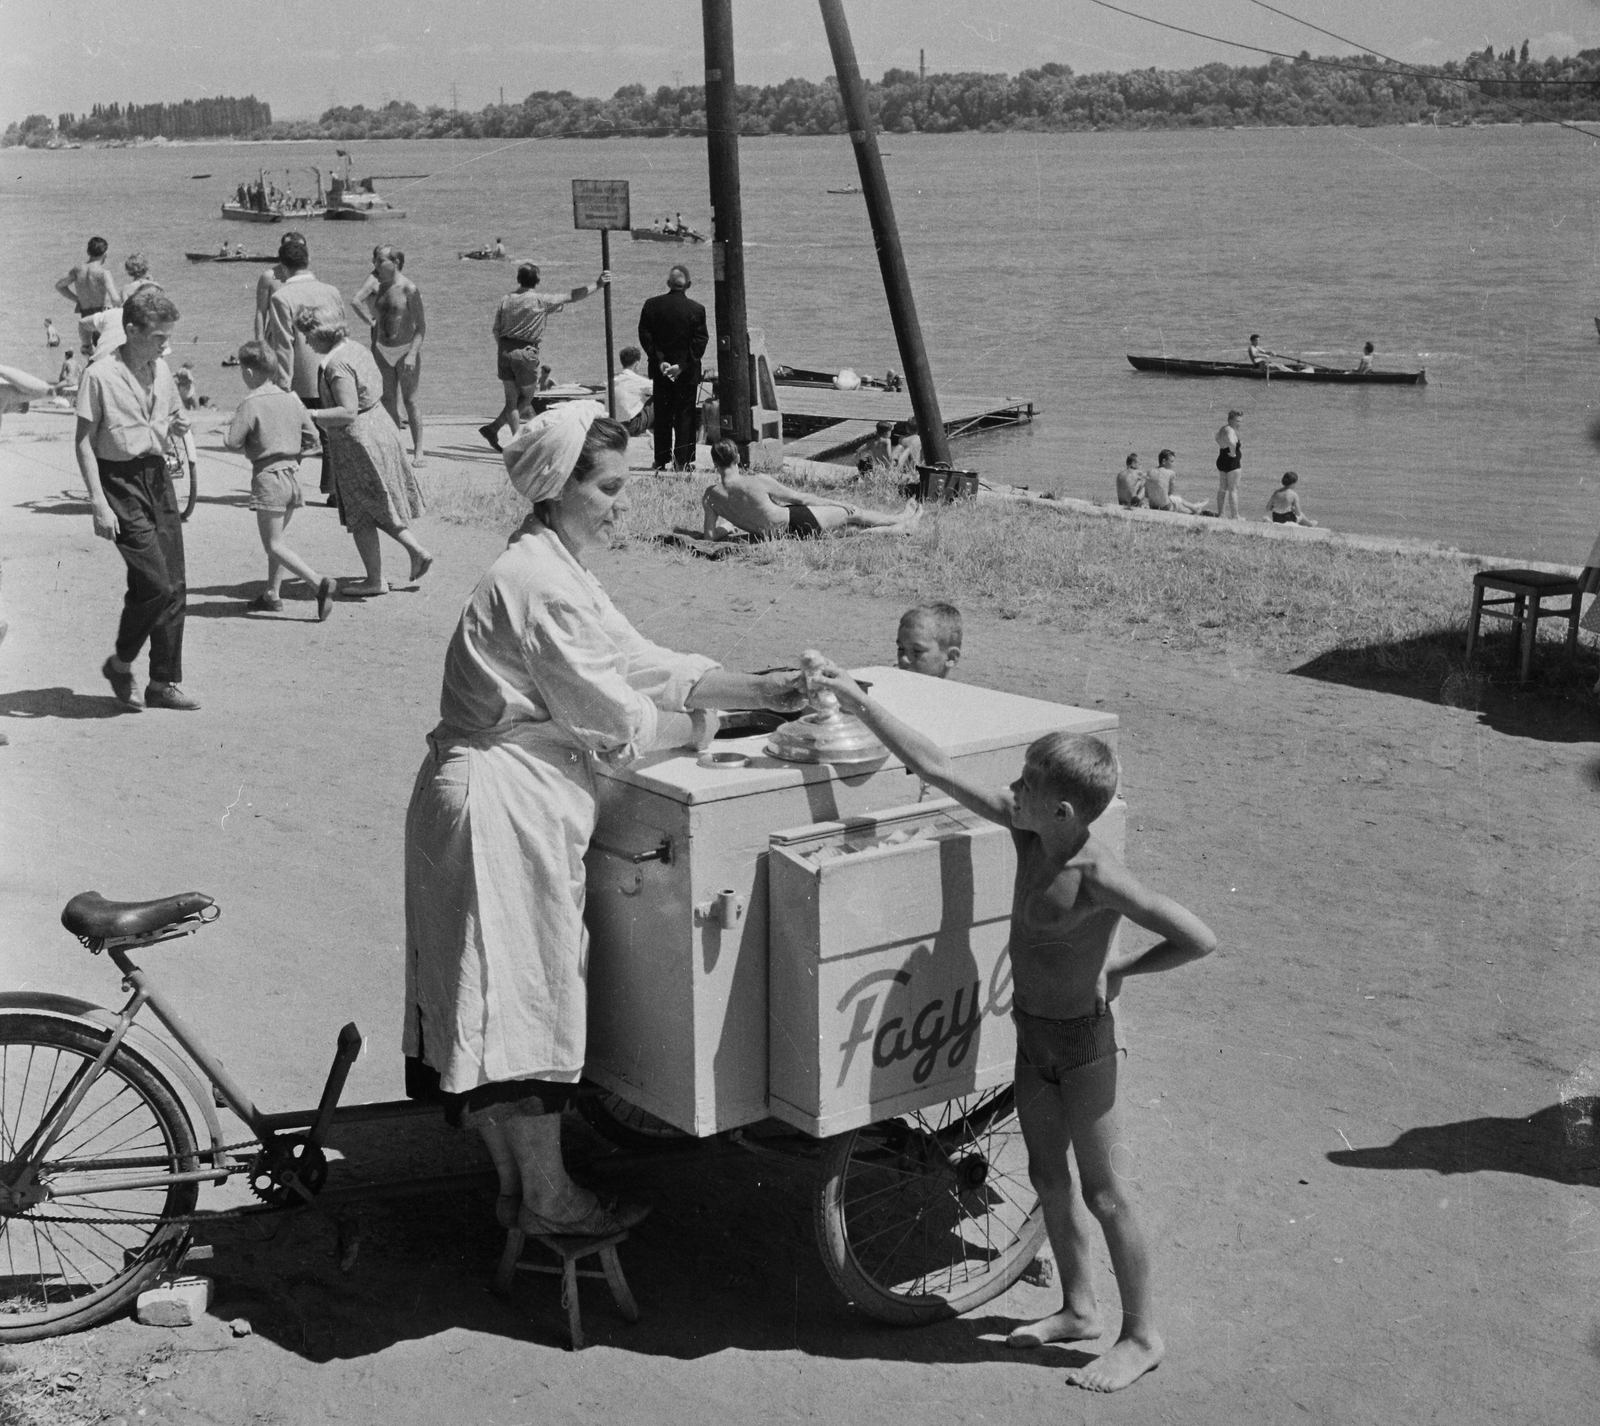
1346, 1130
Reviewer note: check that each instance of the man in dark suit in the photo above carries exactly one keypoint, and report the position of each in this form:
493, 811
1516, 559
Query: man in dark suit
672, 330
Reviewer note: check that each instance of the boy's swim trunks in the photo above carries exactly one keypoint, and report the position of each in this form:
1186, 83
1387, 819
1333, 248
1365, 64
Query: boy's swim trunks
1052, 1048
803, 522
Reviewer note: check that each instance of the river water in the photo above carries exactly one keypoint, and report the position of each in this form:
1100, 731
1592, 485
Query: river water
1039, 260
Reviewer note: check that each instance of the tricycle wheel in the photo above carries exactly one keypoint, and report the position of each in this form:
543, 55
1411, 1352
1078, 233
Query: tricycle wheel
627, 1126
929, 1214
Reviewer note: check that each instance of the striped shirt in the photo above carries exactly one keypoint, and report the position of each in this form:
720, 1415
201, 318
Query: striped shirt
129, 418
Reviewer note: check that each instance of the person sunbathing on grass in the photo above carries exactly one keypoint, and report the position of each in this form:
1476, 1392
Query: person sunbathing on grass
761, 506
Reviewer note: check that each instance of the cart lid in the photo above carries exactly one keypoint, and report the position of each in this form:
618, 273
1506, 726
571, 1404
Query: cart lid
961, 718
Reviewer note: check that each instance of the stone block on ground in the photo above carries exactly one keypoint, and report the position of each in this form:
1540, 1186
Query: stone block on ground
178, 1302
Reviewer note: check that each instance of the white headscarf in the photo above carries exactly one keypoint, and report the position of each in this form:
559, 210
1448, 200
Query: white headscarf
544, 452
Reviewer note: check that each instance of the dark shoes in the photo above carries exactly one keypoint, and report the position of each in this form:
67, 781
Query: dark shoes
121, 685
265, 603
169, 695
490, 434
325, 593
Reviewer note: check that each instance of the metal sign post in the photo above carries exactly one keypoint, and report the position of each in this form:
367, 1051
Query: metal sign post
603, 203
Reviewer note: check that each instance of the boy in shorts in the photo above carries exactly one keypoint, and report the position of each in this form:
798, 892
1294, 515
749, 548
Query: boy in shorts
1070, 894
929, 640
275, 431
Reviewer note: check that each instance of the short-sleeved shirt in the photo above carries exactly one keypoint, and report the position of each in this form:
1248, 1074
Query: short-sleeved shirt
271, 426
631, 391
129, 418
522, 315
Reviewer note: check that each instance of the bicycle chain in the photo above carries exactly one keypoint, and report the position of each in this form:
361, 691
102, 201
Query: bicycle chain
211, 1216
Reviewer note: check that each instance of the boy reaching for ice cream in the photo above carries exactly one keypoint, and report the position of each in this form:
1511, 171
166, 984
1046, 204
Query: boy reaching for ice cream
1070, 894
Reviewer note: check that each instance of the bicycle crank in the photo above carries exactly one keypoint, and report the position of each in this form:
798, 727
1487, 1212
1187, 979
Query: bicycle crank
279, 1172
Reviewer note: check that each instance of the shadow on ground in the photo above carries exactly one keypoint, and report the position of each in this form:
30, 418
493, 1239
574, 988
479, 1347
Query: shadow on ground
1560, 1143
58, 703
728, 1259
1558, 705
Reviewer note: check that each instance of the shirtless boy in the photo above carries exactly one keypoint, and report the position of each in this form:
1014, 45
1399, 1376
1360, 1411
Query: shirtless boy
89, 287
768, 509
928, 640
1071, 892
392, 303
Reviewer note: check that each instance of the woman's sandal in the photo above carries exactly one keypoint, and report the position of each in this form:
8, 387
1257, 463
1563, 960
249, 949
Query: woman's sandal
606, 1217
325, 592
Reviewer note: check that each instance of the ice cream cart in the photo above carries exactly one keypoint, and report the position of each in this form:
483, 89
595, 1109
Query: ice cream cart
825, 945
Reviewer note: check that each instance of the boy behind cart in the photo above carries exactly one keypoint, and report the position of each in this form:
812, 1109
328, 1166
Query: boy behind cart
1071, 892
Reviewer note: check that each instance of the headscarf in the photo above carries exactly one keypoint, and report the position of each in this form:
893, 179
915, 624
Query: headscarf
544, 452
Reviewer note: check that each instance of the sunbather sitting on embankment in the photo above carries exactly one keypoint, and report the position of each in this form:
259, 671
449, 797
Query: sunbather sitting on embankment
768, 509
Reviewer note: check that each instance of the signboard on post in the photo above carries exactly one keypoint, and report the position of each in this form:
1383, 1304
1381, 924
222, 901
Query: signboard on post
603, 203
600, 203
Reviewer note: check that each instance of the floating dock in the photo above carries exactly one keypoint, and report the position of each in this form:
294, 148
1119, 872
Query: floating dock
819, 422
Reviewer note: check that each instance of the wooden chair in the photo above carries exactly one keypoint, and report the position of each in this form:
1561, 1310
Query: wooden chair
1523, 594
569, 1251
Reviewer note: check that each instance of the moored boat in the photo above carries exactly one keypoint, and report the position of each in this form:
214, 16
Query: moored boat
1331, 375
667, 235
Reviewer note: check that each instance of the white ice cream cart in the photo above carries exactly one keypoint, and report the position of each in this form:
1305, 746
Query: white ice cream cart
826, 946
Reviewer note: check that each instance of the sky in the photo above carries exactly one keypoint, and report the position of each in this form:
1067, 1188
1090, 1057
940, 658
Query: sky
304, 56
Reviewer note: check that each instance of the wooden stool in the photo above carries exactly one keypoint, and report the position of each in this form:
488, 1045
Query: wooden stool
570, 1251
1524, 591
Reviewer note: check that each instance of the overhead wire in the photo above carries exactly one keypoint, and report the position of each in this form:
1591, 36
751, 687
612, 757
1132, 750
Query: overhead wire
1330, 63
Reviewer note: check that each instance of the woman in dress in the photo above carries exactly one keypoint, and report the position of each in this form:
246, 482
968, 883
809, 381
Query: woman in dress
373, 482
542, 678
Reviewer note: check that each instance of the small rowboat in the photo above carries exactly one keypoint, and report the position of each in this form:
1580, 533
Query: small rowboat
663, 235
231, 257
1333, 375
853, 188
483, 255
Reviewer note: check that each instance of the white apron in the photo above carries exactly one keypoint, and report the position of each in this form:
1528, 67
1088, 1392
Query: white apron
543, 675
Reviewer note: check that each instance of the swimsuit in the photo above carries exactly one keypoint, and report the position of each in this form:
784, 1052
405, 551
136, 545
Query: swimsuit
1286, 518
1231, 460
803, 523
391, 355
1052, 1048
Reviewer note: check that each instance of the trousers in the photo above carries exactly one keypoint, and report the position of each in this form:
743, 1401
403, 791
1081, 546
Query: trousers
325, 484
675, 417
150, 540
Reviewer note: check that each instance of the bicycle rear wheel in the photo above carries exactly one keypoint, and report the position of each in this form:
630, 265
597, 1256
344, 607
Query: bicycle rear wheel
70, 1259
180, 467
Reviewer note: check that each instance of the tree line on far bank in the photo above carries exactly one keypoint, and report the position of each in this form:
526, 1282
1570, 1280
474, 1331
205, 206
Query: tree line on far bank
191, 119
1483, 88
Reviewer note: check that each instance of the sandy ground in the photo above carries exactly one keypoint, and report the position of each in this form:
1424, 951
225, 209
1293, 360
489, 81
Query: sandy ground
1347, 1130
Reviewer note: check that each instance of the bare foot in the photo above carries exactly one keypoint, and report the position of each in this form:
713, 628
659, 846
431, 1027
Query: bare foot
1123, 1365
1064, 1326
363, 590
420, 565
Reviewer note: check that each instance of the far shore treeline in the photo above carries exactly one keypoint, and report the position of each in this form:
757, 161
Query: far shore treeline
1483, 88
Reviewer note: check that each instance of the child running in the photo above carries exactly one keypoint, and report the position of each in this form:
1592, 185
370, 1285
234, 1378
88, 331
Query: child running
273, 429
929, 640
1071, 892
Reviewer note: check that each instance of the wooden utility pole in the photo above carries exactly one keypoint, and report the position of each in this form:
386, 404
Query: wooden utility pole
727, 226
885, 235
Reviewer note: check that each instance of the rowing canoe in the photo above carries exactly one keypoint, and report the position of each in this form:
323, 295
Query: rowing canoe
1337, 376
231, 257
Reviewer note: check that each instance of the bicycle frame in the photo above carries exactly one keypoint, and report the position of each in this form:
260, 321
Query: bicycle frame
142, 992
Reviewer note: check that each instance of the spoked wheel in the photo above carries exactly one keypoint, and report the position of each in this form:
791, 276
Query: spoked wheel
629, 1127
930, 1214
70, 1258
180, 469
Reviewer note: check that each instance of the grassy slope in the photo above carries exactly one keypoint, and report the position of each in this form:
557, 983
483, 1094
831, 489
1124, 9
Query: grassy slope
1346, 614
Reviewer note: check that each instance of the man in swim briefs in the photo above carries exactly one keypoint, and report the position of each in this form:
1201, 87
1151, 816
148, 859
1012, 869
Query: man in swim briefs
90, 289
762, 506
392, 303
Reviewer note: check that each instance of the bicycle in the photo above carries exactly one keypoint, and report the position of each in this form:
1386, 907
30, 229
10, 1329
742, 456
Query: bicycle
182, 465
918, 1217
99, 1168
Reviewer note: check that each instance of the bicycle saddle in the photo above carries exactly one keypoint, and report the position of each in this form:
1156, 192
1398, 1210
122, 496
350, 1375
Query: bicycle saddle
90, 915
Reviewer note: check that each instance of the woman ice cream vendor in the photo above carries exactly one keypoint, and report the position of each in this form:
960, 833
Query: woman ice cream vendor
542, 677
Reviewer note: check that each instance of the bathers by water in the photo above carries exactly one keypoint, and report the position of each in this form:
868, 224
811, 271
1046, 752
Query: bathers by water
1052, 1048
803, 522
